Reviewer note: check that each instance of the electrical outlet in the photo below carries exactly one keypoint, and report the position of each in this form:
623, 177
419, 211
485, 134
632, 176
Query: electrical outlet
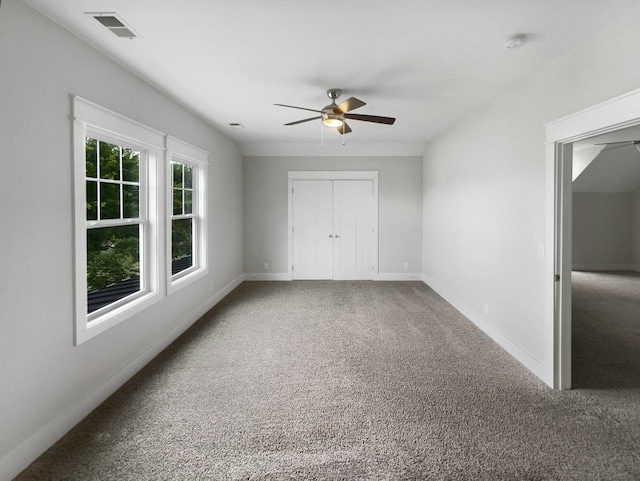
266, 266
406, 266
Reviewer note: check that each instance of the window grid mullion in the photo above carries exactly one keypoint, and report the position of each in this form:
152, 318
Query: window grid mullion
182, 186
120, 189
183, 216
98, 189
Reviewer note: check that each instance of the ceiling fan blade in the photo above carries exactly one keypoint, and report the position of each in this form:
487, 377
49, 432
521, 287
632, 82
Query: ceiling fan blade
304, 120
371, 118
350, 104
301, 108
344, 127
620, 142
617, 145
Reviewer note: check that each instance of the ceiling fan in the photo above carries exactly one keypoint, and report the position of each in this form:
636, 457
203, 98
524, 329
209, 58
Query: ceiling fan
335, 116
624, 143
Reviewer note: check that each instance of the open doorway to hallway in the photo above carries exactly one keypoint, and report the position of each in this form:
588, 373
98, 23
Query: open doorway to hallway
605, 280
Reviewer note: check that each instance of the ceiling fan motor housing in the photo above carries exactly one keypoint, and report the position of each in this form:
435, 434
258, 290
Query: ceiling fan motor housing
334, 94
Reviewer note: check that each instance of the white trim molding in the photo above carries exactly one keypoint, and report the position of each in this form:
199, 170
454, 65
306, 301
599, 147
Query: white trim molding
615, 114
284, 276
402, 276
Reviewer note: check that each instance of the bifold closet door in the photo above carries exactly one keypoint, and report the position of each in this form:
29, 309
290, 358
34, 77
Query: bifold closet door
352, 229
332, 229
312, 224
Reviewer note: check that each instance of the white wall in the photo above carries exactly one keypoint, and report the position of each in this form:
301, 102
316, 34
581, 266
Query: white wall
602, 231
399, 216
484, 193
48, 384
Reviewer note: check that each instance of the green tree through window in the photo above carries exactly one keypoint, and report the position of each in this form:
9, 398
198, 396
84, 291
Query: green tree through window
182, 219
114, 225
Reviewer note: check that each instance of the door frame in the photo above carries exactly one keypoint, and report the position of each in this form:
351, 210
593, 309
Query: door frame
609, 116
372, 175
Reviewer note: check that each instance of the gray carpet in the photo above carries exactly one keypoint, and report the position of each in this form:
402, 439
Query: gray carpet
345, 380
606, 330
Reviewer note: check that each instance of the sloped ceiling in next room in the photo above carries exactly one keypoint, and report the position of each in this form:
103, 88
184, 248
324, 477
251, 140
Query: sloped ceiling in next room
611, 167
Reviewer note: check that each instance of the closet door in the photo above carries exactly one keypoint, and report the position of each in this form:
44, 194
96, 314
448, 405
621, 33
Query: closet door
332, 224
352, 229
312, 247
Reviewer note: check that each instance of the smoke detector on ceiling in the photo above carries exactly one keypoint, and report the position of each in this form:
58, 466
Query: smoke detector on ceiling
516, 41
112, 21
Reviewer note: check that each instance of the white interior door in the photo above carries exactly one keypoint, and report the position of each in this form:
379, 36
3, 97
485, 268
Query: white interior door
352, 229
332, 229
312, 225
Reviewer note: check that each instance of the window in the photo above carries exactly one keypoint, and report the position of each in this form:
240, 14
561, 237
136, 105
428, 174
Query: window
129, 230
182, 219
116, 218
116, 233
186, 194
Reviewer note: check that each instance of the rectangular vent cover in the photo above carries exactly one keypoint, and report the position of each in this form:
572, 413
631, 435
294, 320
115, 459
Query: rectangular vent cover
114, 23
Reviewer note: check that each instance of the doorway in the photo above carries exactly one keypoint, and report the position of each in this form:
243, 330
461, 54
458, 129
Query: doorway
620, 113
333, 225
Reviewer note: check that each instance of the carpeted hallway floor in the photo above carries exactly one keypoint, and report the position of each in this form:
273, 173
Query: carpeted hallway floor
606, 330
345, 381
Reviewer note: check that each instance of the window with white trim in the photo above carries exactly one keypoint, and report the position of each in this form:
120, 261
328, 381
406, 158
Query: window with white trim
186, 238
134, 219
116, 218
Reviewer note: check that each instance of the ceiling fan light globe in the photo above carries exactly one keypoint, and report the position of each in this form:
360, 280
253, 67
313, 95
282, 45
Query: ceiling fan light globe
333, 122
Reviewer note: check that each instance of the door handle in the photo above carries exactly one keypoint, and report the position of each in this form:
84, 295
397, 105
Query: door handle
336, 236
330, 235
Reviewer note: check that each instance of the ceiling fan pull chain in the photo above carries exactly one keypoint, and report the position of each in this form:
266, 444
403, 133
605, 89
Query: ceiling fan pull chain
322, 136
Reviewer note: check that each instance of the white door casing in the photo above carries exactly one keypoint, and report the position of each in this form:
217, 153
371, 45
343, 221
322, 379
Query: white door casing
615, 114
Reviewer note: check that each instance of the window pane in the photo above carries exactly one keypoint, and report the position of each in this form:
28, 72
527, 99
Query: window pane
92, 200
109, 161
113, 264
91, 149
188, 204
188, 177
181, 245
109, 201
177, 202
131, 198
130, 165
177, 174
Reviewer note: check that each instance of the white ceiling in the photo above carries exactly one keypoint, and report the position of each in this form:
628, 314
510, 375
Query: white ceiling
426, 62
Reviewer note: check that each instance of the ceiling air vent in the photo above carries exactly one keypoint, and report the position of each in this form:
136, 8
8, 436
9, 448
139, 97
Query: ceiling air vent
114, 23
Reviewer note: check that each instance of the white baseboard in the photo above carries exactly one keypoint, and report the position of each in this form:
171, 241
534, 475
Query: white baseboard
268, 277
513, 348
403, 276
377, 277
17, 460
606, 267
